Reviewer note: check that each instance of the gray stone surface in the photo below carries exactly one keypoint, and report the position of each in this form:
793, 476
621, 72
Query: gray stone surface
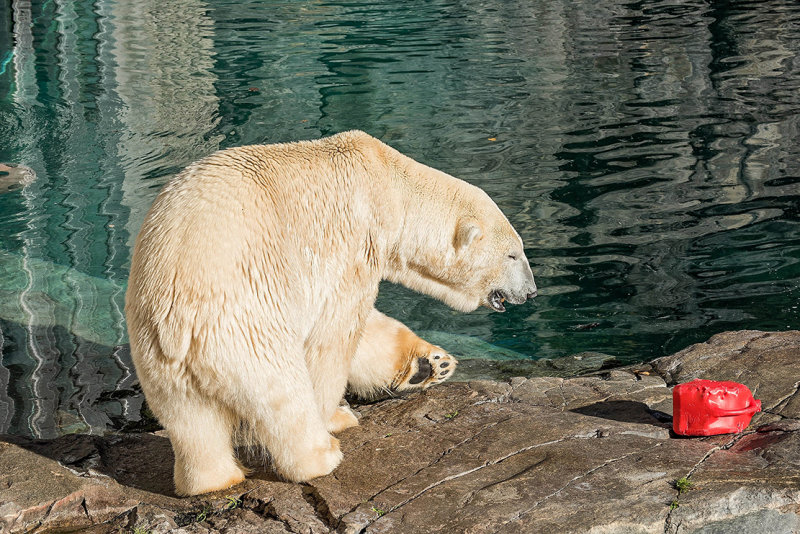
544, 454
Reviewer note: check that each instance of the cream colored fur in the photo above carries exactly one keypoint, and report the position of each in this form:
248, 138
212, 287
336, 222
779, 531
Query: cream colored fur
387, 357
250, 300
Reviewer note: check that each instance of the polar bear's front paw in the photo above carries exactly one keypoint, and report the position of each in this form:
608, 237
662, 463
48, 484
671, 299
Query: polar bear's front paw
425, 370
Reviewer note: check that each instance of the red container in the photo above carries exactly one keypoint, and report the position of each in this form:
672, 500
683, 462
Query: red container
707, 408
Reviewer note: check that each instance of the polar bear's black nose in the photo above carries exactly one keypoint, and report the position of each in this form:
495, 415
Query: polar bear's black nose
531, 295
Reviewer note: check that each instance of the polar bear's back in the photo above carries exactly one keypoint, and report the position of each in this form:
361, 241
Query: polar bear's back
250, 234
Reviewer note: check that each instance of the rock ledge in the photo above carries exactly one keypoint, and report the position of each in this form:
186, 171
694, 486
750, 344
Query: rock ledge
589, 454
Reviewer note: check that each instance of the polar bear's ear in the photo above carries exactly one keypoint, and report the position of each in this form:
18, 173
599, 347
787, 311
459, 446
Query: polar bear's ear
467, 231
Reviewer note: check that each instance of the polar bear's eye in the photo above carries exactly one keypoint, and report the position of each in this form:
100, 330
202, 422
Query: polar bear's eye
513, 256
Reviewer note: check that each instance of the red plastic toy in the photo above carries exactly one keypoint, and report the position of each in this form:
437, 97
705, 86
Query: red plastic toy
707, 408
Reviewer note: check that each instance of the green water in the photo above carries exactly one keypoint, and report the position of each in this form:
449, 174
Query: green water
646, 151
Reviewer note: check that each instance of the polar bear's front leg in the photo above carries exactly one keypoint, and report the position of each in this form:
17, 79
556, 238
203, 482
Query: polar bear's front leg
276, 399
391, 356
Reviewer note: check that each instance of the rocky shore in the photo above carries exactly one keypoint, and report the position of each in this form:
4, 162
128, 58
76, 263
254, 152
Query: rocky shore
542, 454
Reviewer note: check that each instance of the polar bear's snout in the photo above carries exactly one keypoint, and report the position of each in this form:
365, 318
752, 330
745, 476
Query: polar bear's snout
516, 287
521, 285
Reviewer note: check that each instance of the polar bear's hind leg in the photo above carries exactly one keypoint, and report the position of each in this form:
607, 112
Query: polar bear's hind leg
200, 433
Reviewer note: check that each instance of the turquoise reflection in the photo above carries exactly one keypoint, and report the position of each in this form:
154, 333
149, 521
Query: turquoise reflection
645, 151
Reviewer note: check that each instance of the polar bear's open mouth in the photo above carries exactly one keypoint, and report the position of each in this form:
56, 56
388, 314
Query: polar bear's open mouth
496, 300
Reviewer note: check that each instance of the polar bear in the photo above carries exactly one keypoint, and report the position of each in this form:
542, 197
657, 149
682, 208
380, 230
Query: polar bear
250, 304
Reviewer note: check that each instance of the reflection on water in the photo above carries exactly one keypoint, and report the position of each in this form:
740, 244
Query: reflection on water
646, 151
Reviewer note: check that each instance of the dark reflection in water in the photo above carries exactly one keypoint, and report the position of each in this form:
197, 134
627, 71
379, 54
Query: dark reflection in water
646, 151
68, 386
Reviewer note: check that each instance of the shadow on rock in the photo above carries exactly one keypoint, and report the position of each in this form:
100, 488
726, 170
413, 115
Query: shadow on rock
142, 461
138, 460
626, 412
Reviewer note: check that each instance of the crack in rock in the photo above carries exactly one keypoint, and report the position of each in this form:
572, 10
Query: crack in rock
269, 511
320, 506
132, 515
41, 521
776, 414
493, 400
471, 495
485, 464
668, 529
469, 471
519, 515
439, 459
784, 399
86, 509
381, 438
668, 524
724, 447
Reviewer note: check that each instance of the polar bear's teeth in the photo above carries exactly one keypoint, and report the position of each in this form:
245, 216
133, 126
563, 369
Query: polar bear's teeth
496, 300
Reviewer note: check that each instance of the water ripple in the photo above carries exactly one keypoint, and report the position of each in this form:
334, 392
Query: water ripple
646, 151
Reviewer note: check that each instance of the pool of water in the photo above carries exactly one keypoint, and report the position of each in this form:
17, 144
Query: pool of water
647, 152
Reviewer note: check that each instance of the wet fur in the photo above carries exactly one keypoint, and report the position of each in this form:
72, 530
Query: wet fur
252, 285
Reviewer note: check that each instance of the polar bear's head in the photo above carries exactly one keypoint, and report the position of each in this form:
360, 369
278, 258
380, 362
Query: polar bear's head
453, 242
488, 262
465, 253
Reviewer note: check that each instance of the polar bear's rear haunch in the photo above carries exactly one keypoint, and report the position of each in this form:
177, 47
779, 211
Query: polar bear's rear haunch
251, 293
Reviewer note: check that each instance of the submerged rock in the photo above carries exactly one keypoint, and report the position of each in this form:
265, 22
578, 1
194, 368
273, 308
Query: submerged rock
468, 347
13, 177
479, 360
576, 365
541, 454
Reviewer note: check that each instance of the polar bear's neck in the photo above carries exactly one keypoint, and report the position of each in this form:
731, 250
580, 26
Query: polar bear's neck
419, 211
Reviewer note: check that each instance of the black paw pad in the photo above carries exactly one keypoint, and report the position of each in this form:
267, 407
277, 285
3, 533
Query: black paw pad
423, 372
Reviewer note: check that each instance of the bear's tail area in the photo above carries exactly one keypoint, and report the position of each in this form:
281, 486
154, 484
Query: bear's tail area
174, 338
